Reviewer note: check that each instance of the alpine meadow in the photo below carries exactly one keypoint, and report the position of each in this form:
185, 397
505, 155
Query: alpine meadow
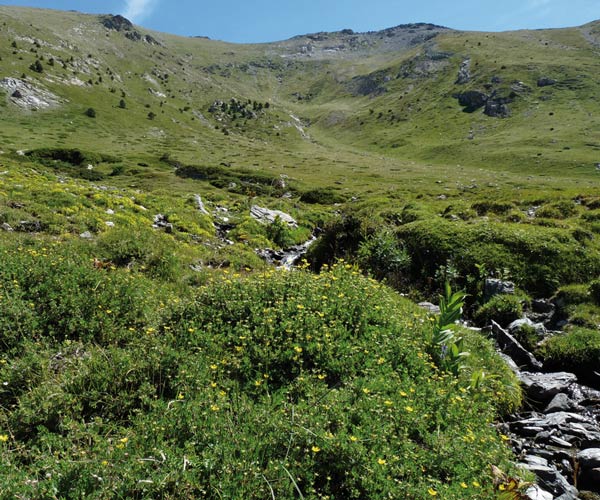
340, 266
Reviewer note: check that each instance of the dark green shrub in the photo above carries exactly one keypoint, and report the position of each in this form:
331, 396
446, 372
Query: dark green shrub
586, 315
149, 251
594, 291
341, 238
538, 259
569, 295
495, 207
322, 196
503, 309
37, 66
383, 255
528, 336
559, 210
90, 112
278, 232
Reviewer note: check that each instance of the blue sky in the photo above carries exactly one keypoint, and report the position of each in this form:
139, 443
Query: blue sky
270, 20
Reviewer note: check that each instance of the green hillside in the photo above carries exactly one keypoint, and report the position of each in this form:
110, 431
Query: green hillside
147, 350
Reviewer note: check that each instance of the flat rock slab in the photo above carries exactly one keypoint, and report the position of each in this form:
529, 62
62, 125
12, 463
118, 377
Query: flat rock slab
511, 347
544, 386
266, 215
562, 402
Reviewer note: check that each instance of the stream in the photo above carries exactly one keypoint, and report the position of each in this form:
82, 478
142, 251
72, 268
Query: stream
287, 258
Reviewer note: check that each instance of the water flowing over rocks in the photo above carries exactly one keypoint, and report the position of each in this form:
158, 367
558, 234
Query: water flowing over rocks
287, 258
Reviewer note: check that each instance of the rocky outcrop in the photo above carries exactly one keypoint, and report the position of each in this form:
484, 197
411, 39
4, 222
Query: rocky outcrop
267, 216
117, 23
542, 387
495, 286
162, 222
512, 347
558, 439
125, 26
544, 81
372, 84
464, 72
497, 107
28, 96
429, 307
494, 105
472, 100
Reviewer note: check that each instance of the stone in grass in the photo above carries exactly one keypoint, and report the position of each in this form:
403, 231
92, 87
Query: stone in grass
494, 287
429, 307
267, 216
86, 235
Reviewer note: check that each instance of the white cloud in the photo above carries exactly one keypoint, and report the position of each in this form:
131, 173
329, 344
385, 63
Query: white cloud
138, 10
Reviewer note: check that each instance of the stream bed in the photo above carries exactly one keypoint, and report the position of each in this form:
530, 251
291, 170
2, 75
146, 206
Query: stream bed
556, 435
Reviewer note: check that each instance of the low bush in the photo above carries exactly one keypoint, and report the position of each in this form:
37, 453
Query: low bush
384, 256
142, 248
503, 309
323, 196
572, 295
495, 207
277, 384
576, 351
594, 291
558, 210
539, 259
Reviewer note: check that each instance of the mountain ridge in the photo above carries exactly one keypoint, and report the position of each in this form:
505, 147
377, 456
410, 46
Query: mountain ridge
381, 96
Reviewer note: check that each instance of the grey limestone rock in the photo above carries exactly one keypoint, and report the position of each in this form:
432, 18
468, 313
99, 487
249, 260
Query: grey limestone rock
494, 287
544, 386
511, 346
267, 216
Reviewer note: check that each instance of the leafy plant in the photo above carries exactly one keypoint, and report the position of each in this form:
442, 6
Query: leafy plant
447, 347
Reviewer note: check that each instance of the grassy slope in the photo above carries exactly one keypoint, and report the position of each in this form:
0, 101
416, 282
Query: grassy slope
405, 173
432, 129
